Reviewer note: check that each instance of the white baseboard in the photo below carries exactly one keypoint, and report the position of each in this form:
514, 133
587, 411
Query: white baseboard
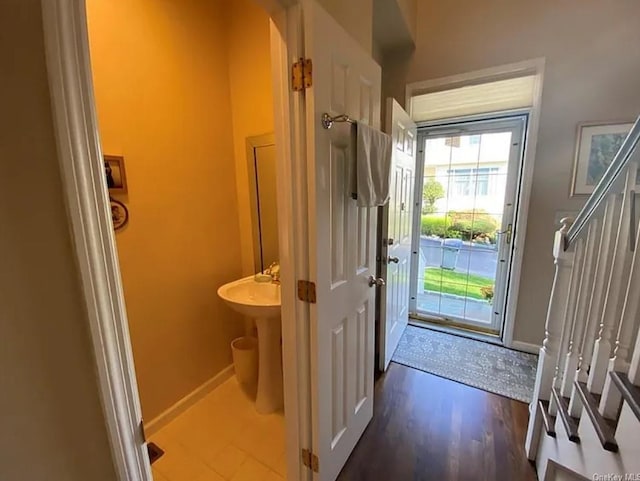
525, 346
186, 402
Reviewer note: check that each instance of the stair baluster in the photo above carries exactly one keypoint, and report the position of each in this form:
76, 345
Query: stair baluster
569, 319
614, 298
591, 325
611, 396
583, 302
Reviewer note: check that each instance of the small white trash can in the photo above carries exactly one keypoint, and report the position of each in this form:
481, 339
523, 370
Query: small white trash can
245, 360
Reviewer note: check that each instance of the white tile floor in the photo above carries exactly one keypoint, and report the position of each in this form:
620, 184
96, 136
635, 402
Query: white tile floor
222, 437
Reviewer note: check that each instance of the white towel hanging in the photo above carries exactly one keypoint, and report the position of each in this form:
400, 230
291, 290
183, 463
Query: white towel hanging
373, 166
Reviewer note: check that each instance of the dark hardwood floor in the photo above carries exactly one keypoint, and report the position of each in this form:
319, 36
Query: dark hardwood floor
429, 428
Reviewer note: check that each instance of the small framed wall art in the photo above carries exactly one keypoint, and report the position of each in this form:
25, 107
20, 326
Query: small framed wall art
119, 214
115, 174
596, 146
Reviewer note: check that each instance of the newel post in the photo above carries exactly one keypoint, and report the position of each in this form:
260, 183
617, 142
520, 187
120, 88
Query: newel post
548, 358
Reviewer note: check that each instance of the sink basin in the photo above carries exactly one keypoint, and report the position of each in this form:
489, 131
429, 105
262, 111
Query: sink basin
261, 301
251, 298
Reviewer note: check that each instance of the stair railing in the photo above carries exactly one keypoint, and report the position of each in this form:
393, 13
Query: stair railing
591, 327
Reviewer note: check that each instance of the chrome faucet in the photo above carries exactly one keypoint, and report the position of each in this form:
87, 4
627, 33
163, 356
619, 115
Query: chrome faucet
274, 272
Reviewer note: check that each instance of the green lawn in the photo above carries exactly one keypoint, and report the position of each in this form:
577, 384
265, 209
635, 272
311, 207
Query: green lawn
452, 282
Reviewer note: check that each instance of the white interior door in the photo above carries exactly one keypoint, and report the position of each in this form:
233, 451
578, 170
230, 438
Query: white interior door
346, 80
397, 232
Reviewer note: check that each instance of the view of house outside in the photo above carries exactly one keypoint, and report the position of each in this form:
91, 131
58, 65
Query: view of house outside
462, 204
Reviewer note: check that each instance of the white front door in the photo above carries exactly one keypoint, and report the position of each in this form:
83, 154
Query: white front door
397, 232
341, 242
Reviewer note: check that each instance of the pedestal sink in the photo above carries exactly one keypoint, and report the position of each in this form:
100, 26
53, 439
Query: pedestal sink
261, 301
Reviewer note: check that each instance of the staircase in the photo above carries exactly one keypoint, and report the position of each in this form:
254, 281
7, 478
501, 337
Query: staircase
585, 413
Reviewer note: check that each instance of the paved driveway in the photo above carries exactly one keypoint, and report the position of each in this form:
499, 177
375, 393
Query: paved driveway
475, 259
456, 307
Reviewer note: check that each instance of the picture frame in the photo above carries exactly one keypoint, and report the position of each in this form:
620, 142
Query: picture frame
115, 174
119, 214
596, 146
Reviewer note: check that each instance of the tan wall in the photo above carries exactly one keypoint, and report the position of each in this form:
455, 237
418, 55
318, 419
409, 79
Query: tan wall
52, 423
162, 92
591, 74
251, 101
355, 16
409, 8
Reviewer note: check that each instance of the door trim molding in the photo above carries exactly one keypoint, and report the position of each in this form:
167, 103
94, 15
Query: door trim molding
534, 67
287, 43
80, 157
87, 203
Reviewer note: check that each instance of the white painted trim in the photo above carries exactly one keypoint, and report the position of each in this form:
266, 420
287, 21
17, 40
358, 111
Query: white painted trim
501, 72
87, 202
528, 67
168, 415
525, 347
80, 157
557, 472
525, 201
287, 45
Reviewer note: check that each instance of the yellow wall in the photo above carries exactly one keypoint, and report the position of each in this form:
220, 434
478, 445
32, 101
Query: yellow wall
52, 425
162, 92
251, 99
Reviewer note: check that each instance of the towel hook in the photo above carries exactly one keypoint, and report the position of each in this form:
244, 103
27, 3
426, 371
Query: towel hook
328, 120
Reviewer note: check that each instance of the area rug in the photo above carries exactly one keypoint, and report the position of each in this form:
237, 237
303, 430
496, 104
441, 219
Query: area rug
475, 363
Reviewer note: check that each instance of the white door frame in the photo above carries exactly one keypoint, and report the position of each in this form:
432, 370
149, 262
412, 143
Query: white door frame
536, 68
87, 202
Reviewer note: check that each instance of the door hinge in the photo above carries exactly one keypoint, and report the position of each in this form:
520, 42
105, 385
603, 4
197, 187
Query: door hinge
307, 291
310, 460
143, 434
302, 74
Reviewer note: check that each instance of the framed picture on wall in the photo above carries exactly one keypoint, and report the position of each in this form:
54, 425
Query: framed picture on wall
596, 146
115, 174
119, 214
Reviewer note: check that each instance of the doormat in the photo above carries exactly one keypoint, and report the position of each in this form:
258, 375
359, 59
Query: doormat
479, 364
154, 451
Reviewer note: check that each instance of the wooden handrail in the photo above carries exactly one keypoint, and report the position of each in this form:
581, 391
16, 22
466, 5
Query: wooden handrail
604, 187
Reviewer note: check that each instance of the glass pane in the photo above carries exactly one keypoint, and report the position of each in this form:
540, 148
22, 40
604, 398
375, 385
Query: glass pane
462, 203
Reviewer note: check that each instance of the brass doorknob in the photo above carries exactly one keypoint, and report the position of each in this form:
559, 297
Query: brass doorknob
373, 281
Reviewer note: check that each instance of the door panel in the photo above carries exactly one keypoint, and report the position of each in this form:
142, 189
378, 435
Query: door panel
397, 232
463, 247
342, 236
